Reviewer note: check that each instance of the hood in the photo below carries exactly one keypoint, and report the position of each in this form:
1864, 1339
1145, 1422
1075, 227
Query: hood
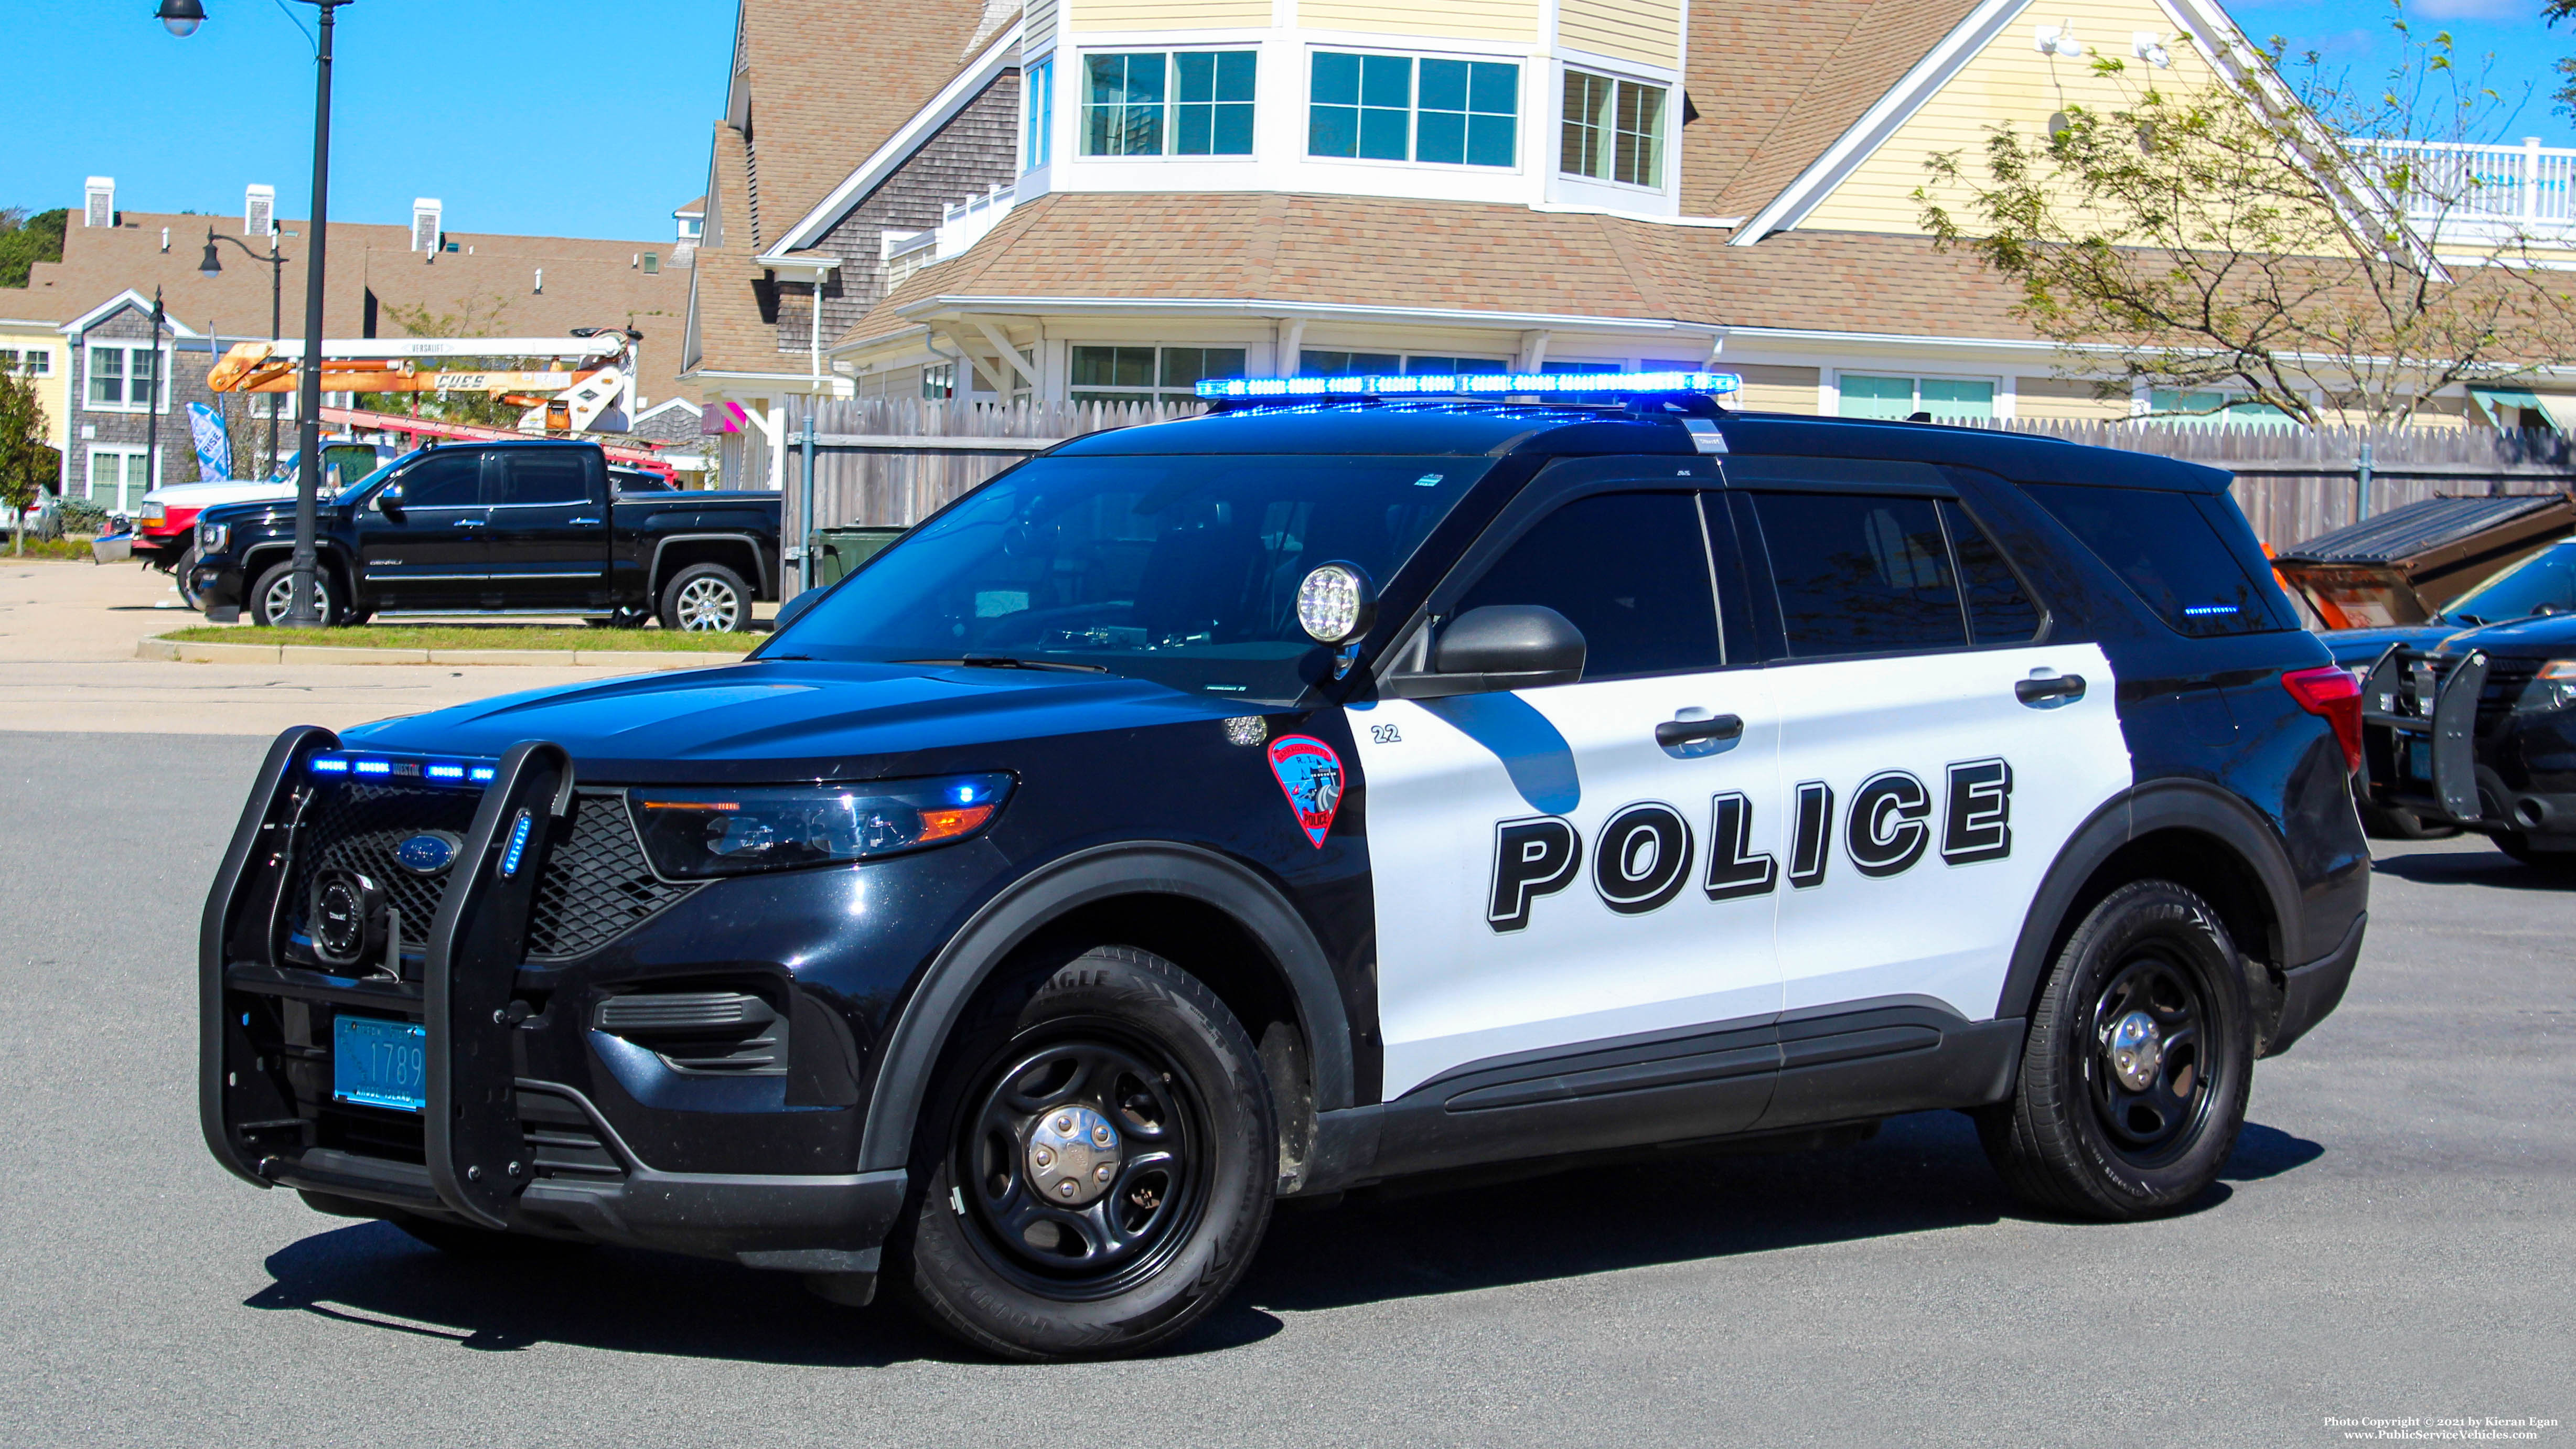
791, 719
2542, 636
2361, 648
218, 490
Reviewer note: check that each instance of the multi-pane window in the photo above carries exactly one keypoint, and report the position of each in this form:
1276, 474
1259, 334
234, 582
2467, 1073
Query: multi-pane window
1395, 108
1614, 130
1184, 103
118, 478
1145, 374
1945, 399
1037, 106
1312, 362
120, 378
33, 361
2214, 408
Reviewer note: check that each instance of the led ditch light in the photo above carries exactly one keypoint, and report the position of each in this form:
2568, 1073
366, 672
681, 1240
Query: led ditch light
1471, 384
1336, 603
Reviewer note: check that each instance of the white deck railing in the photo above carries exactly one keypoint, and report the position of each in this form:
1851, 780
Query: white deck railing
2530, 187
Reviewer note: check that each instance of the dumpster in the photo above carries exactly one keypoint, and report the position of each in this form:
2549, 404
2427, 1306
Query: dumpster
2404, 565
838, 552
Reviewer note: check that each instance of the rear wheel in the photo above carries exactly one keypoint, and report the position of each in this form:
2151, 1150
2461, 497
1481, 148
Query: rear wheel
1097, 1160
2135, 1072
706, 598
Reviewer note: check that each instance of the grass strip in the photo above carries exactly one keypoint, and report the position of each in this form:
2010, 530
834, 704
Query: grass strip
474, 636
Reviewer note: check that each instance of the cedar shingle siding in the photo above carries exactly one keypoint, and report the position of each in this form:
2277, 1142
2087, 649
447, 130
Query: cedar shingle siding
978, 148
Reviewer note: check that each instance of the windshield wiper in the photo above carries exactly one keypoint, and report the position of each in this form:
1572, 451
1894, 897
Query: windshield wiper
1004, 661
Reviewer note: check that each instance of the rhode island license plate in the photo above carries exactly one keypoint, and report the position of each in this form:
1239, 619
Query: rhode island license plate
379, 1063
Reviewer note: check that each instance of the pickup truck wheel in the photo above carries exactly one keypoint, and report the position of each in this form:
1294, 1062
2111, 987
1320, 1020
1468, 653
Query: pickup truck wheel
273, 597
1096, 1161
706, 598
2135, 1071
179, 572
622, 619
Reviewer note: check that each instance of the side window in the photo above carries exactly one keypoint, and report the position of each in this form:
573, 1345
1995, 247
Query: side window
1858, 574
2000, 611
547, 477
1628, 569
444, 480
2167, 552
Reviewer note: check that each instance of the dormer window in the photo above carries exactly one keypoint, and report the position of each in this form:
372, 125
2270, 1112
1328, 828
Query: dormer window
1614, 130
1398, 108
1180, 103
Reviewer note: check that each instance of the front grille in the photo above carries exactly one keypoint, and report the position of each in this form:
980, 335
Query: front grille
596, 885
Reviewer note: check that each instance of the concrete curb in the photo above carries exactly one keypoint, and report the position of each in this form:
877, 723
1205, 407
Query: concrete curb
208, 653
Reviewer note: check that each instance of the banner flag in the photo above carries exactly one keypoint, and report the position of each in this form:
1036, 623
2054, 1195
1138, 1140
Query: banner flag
214, 445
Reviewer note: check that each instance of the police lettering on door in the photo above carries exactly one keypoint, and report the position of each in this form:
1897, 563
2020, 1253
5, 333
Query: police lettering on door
1646, 851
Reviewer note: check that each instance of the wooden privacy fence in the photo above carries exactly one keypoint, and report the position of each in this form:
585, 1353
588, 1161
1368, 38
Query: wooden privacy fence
895, 461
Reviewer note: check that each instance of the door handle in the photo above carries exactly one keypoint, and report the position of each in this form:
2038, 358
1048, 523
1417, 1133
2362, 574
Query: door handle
468, 523
2049, 691
1676, 732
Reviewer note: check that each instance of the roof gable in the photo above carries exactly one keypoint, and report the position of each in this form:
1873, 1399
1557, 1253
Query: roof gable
129, 298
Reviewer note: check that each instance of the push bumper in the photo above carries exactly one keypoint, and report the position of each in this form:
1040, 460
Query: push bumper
494, 1147
2311, 992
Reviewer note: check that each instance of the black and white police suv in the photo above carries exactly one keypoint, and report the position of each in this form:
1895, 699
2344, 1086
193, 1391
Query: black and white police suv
1354, 782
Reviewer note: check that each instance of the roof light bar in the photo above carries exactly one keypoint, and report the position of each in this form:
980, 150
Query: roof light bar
1449, 384
453, 772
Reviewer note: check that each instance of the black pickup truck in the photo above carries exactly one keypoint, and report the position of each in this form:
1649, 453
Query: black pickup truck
501, 528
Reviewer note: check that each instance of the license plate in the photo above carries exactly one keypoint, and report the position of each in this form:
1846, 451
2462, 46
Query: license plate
378, 1063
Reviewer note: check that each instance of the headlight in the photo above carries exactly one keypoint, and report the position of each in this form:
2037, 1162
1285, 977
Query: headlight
155, 512
696, 834
211, 537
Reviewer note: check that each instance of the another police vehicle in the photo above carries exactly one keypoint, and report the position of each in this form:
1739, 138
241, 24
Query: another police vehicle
1355, 782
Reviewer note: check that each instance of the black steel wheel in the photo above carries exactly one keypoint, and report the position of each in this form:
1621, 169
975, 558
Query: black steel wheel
1096, 1162
2135, 1071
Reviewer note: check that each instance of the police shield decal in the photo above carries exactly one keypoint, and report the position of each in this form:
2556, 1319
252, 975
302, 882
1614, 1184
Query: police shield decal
1311, 775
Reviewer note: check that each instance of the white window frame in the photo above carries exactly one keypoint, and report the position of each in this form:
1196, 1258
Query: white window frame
1995, 401
91, 347
1152, 391
37, 361
1171, 103
1666, 122
1037, 113
1413, 109
89, 474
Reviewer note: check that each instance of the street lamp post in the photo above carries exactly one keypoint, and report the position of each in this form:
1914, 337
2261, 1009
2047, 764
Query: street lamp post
211, 266
182, 17
152, 406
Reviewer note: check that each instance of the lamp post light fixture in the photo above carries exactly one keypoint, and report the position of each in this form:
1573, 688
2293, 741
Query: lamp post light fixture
211, 266
182, 17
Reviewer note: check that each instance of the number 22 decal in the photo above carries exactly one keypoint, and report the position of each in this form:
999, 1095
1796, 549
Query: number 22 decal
1384, 735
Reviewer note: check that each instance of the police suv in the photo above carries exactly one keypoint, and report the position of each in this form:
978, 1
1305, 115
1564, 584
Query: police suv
1375, 777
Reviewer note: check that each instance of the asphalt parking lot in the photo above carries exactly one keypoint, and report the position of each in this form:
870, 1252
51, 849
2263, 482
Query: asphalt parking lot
2391, 1239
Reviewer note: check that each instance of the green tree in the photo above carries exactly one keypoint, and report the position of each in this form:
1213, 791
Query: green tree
2279, 237
479, 315
26, 240
26, 462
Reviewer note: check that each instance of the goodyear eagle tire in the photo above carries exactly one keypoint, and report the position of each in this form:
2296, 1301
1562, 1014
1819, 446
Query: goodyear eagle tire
2134, 1075
1096, 1160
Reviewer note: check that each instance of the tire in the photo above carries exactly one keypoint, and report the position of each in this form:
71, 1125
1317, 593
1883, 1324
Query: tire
706, 598
2389, 822
179, 572
463, 1240
982, 1256
2080, 1138
622, 619
272, 596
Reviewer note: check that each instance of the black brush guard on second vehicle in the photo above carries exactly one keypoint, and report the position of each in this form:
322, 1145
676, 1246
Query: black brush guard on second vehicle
2432, 729
491, 1147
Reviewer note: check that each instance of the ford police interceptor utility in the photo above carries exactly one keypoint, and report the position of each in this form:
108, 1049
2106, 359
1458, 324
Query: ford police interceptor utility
1354, 782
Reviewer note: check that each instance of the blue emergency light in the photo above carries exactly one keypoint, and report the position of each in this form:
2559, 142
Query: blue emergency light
1470, 384
391, 767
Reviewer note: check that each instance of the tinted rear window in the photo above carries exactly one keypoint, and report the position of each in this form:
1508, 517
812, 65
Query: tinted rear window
2168, 553
1859, 574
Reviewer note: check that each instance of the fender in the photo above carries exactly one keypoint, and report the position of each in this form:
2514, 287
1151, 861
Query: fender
763, 585
2141, 811
1010, 919
326, 554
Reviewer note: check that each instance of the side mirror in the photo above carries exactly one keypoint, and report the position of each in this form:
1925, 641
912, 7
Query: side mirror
1500, 646
389, 501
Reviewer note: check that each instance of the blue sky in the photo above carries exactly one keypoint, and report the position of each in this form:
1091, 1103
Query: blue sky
533, 116
2355, 34
591, 119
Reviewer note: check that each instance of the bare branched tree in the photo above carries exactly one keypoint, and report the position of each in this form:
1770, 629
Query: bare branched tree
2276, 237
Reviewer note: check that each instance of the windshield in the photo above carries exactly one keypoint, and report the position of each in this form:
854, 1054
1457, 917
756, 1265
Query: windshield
1181, 570
2544, 583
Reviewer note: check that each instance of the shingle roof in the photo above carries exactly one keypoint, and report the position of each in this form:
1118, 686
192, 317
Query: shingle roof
588, 283
1775, 85
1459, 255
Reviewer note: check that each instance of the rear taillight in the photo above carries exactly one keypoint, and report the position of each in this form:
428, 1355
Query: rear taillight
2333, 695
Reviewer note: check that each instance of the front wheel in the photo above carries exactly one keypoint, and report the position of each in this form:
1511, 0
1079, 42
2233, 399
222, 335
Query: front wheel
273, 597
1096, 1158
706, 598
2135, 1071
